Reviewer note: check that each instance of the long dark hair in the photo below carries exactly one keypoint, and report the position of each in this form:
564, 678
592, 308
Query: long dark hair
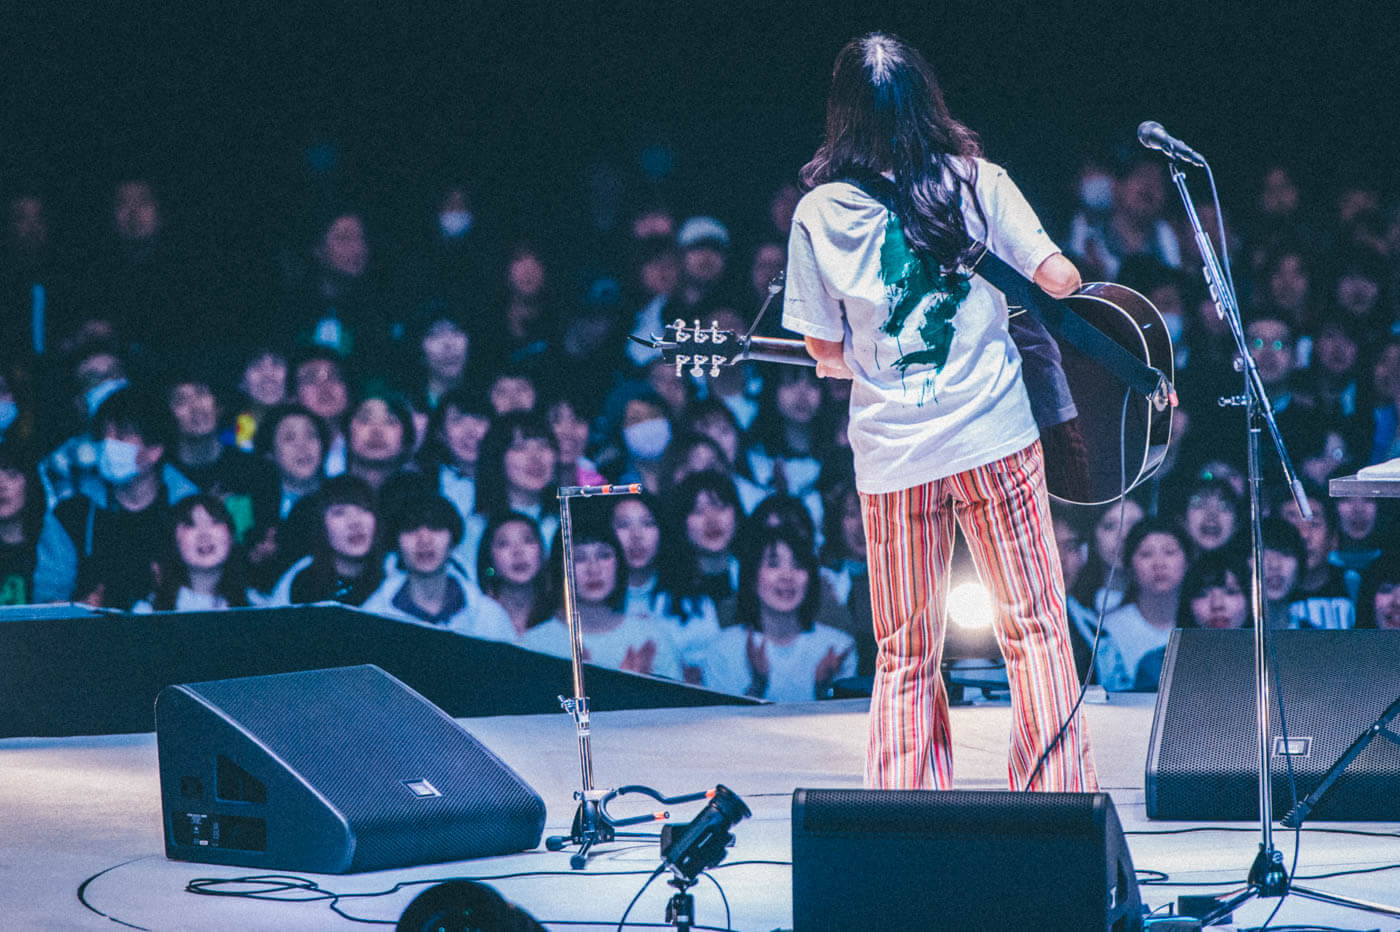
886, 112
233, 580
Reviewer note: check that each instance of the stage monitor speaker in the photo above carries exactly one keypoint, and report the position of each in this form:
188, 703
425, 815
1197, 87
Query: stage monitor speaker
952, 859
331, 771
1203, 758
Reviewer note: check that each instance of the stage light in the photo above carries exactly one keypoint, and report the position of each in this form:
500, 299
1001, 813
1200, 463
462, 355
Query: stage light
970, 606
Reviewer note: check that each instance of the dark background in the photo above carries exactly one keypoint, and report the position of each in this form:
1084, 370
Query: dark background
221, 101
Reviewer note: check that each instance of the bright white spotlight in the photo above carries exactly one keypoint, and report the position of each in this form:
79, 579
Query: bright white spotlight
970, 606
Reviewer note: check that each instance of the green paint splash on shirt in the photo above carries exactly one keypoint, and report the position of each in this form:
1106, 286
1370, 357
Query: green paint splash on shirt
909, 279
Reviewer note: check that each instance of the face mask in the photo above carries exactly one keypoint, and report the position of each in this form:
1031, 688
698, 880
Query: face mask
101, 392
1096, 192
454, 223
647, 439
8, 412
116, 462
1175, 326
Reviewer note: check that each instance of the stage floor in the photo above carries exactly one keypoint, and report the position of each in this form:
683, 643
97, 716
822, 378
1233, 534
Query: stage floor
76, 810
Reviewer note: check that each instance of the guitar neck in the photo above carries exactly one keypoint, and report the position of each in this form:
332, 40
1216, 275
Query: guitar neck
775, 349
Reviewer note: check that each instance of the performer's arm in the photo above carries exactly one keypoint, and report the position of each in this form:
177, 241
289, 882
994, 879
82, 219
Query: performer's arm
830, 357
1056, 276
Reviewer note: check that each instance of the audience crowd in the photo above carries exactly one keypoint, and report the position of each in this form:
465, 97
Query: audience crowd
384, 423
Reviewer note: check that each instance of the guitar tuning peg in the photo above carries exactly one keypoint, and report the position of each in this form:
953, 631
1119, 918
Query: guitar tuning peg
682, 333
700, 335
716, 335
697, 370
715, 363
681, 360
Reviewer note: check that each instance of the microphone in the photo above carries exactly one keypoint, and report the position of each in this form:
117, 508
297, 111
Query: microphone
1151, 135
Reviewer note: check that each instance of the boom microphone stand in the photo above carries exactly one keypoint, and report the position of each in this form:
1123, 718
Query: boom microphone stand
1267, 875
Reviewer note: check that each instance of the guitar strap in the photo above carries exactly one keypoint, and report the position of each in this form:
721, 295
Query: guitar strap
1056, 316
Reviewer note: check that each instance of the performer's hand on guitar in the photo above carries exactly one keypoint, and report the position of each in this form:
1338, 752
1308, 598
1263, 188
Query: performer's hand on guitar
831, 358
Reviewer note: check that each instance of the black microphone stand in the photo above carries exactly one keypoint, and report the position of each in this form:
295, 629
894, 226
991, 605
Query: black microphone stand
1267, 875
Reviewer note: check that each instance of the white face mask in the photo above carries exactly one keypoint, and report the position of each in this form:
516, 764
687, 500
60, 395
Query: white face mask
647, 439
9, 411
116, 461
454, 223
1096, 192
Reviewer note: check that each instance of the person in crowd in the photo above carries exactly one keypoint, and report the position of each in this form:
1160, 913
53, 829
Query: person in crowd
704, 253
611, 637
320, 385
1215, 592
513, 388
717, 420
1361, 536
1210, 514
521, 334
788, 442
1378, 605
1102, 581
1383, 430
381, 437
1360, 288
702, 518
1286, 294
845, 567
1072, 543
332, 297
638, 441
1285, 555
513, 570
1331, 380
778, 650
1135, 224
738, 386
262, 385
246, 484
516, 472
1323, 447
688, 454
1155, 554
346, 563
426, 587
17, 414
203, 568
439, 348
1271, 343
453, 445
23, 519
95, 369
769, 258
569, 416
294, 441
37, 288
104, 541
456, 254
1322, 600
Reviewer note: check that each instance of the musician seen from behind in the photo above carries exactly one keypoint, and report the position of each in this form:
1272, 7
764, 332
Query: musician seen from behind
940, 424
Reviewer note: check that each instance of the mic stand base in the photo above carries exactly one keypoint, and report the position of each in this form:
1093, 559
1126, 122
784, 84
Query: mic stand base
590, 827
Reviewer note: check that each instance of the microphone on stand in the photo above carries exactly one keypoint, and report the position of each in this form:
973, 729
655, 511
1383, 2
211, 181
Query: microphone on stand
1151, 134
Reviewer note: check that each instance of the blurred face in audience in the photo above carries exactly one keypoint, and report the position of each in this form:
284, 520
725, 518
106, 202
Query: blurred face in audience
1220, 606
570, 430
768, 261
660, 274
28, 223
512, 393
13, 494
782, 207
699, 458
195, 410
1356, 518
1288, 282
205, 542
1321, 464
135, 212
445, 350
722, 431
350, 530
1280, 574
661, 377
1140, 193
799, 397
530, 463
1108, 534
515, 553
1210, 520
1388, 605
344, 249
265, 379
639, 533
710, 523
424, 550
852, 528
1385, 373
1159, 564
1271, 345
1334, 351
462, 432
703, 263
296, 448
376, 435
782, 581
1316, 536
321, 388
1278, 197
1072, 549
1357, 292
595, 564
526, 275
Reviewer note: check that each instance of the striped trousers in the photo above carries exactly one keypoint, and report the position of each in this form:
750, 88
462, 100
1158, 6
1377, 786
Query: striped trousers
1004, 511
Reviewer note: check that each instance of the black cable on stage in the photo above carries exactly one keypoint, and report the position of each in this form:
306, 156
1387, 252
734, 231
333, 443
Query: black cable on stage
654, 874
1103, 606
82, 893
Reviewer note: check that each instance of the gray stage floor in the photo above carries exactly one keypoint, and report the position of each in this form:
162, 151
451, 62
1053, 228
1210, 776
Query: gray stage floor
74, 808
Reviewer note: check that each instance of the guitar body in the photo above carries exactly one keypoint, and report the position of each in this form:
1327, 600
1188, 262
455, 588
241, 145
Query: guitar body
1107, 451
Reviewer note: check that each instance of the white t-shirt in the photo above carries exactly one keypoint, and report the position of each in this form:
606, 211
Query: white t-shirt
923, 422
1127, 638
480, 616
609, 648
792, 667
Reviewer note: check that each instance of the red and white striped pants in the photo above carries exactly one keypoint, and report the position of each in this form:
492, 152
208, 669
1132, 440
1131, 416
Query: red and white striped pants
1004, 512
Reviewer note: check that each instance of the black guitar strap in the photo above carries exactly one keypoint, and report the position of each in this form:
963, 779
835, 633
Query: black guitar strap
1056, 316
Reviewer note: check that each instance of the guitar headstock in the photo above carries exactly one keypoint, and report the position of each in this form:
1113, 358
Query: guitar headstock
702, 349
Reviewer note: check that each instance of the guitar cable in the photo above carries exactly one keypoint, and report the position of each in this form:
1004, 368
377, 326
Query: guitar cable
1103, 604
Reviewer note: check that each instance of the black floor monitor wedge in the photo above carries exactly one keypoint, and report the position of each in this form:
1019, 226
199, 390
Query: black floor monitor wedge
960, 860
330, 771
